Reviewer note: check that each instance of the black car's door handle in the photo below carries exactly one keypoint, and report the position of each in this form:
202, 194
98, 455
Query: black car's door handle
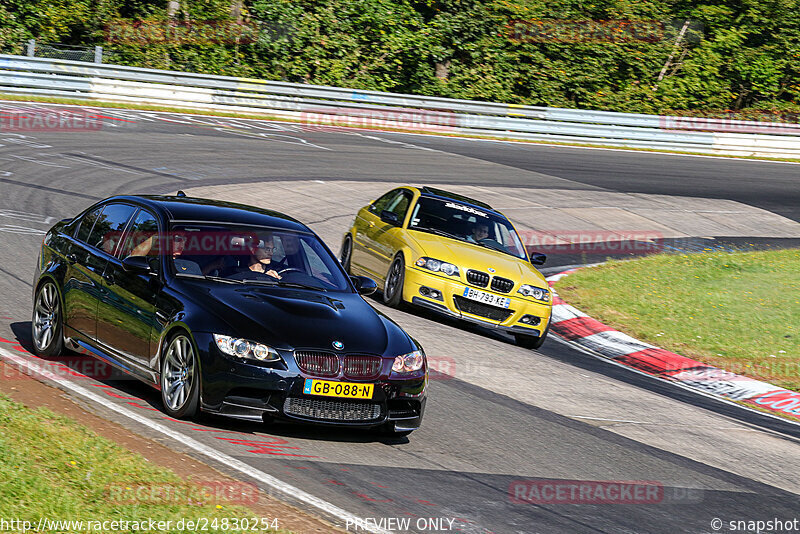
108, 277
72, 258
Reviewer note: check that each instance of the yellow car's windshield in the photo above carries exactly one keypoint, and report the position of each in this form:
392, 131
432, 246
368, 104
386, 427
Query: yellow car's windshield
463, 222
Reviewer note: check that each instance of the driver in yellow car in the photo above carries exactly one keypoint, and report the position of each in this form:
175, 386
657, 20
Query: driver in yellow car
479, 231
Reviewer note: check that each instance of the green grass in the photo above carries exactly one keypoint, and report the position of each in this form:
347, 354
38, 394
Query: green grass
266, 116
53, 467
738, 311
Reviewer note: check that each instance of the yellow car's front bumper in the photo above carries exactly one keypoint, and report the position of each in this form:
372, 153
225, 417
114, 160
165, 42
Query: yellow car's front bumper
451, 290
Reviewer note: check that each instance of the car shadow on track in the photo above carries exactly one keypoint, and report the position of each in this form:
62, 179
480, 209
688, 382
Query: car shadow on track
118, 385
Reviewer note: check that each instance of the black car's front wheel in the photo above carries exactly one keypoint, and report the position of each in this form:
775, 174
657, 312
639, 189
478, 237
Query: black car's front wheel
46, 325
180, 378
393, 289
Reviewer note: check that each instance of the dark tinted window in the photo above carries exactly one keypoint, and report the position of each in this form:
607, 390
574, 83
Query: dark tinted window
86, 224
142, 237
107, 231
379, 205
399, 204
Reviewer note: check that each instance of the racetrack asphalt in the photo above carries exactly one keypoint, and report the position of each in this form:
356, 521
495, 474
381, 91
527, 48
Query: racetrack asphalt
507, 414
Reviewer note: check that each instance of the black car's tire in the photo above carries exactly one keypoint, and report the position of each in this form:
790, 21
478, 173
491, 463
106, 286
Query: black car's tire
347, 253
393, 288
180, 378
531, 342
47, 321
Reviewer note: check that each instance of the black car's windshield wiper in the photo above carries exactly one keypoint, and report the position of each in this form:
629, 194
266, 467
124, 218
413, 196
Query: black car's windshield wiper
222, 279
302, 286
438, 232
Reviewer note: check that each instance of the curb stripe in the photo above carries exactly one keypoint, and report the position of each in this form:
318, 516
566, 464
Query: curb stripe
588, 333
578, 327
659, 361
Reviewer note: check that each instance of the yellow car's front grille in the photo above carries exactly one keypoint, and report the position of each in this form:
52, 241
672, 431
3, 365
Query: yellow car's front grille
477, 278
502, 285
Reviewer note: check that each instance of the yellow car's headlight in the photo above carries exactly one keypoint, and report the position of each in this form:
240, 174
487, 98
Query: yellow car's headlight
536, 292
437, 266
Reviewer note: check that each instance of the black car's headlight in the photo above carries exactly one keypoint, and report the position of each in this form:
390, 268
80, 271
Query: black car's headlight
242, 348
437, 266
536, 292
408, 363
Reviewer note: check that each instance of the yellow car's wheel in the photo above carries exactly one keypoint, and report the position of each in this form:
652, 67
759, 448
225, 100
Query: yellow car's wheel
393, 290
531, 342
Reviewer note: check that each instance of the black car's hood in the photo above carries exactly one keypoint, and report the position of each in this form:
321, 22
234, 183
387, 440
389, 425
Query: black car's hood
289, 318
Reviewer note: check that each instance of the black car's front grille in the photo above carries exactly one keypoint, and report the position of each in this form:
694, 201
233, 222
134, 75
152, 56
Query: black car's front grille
484, 310
477, 278
318, 363
502, 285
332, 410
363, 367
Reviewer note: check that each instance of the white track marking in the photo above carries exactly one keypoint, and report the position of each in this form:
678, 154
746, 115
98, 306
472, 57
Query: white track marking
250, 471
34, 160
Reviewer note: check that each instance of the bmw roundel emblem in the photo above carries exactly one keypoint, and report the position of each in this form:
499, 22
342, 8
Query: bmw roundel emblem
491, 270
338, 345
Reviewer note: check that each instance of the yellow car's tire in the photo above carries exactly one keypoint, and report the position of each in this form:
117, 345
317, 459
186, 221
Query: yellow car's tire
393, 289
531, 342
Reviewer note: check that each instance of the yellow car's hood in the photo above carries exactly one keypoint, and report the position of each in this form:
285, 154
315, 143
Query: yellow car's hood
472, 256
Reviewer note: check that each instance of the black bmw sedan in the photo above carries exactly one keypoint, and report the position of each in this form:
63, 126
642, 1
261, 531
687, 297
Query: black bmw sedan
228, 309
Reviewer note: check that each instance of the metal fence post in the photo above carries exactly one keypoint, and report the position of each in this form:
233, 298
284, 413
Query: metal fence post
98, 54
31, 47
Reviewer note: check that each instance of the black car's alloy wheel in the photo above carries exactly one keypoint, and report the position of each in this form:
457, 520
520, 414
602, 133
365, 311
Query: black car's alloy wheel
46, 327
347, 252
393, 290
180, 378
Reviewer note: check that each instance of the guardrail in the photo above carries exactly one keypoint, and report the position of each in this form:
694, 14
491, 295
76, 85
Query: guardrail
21, 75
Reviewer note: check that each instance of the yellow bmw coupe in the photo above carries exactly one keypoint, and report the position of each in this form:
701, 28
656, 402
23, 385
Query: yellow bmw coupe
453, 255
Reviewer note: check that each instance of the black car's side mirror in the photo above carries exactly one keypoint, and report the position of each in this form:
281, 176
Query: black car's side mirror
364, 285
136, 264
390, 217
537, 258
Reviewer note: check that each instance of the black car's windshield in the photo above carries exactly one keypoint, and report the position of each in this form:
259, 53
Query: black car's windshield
459, 221
227, 253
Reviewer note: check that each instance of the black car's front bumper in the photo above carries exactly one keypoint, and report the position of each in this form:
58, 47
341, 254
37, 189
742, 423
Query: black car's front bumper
253, 392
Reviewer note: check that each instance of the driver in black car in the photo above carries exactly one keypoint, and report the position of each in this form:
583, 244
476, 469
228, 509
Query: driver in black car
261, 250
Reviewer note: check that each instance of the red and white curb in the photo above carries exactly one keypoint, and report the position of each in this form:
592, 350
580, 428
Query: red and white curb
576, 327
